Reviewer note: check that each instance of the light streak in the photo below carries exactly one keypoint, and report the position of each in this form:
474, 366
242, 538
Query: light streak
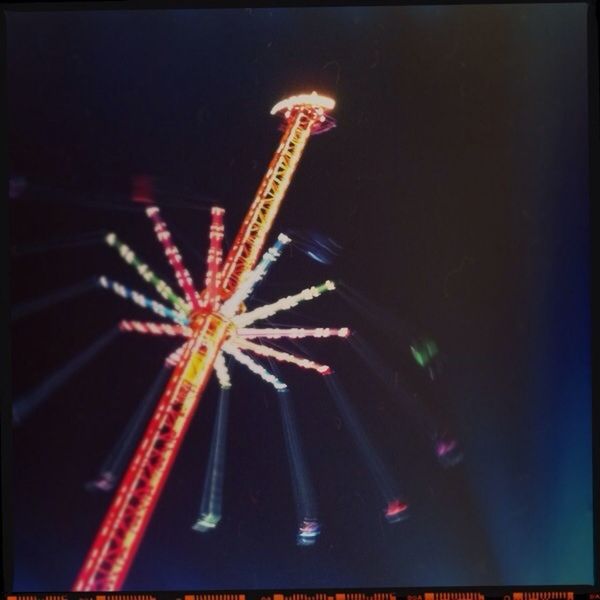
111, 469
24, 405
173, 359
384, 319
24, 309
304, 494
269, 310
306, 506
254, 277
383, 478
184, 279
214, 258
212, 496
147, 327
253, 366
141, 300
422, 415
429, 421
222, 372
305, 363
293, 332
129, 256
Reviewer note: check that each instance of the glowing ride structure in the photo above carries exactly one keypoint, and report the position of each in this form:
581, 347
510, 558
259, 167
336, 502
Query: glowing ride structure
213, 323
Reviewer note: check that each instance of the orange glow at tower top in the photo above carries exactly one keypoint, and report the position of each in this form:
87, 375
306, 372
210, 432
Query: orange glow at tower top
315, 100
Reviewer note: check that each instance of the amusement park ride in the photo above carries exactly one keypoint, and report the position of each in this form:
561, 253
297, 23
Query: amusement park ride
214, 322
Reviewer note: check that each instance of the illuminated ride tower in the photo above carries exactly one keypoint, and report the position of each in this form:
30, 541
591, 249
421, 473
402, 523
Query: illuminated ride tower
113, 550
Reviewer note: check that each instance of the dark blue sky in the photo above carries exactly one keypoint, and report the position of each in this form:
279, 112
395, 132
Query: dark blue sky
456, 182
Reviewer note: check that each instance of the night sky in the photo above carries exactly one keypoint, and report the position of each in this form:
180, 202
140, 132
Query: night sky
456, 182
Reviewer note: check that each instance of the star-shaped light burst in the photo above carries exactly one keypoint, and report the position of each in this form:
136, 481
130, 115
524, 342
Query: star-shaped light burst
240, 342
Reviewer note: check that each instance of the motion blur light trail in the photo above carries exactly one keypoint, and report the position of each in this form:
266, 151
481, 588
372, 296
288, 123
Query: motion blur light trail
423, 350
176, 355
418, 411
306, 506
253, 366
79, 240
232, 305
156, 307
261, 350
396, 508
383, 318
26, 404
292, 332
25, 309
130, 257
270, 310
149, 327
304, 494
212, 496
445, 446
184, 279
214, 259
316, 246
113, 466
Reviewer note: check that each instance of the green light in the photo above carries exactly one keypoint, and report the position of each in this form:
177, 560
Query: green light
129, 256
328, 286
424, 351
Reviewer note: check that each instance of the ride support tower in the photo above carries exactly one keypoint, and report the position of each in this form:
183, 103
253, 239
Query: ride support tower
114, 548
